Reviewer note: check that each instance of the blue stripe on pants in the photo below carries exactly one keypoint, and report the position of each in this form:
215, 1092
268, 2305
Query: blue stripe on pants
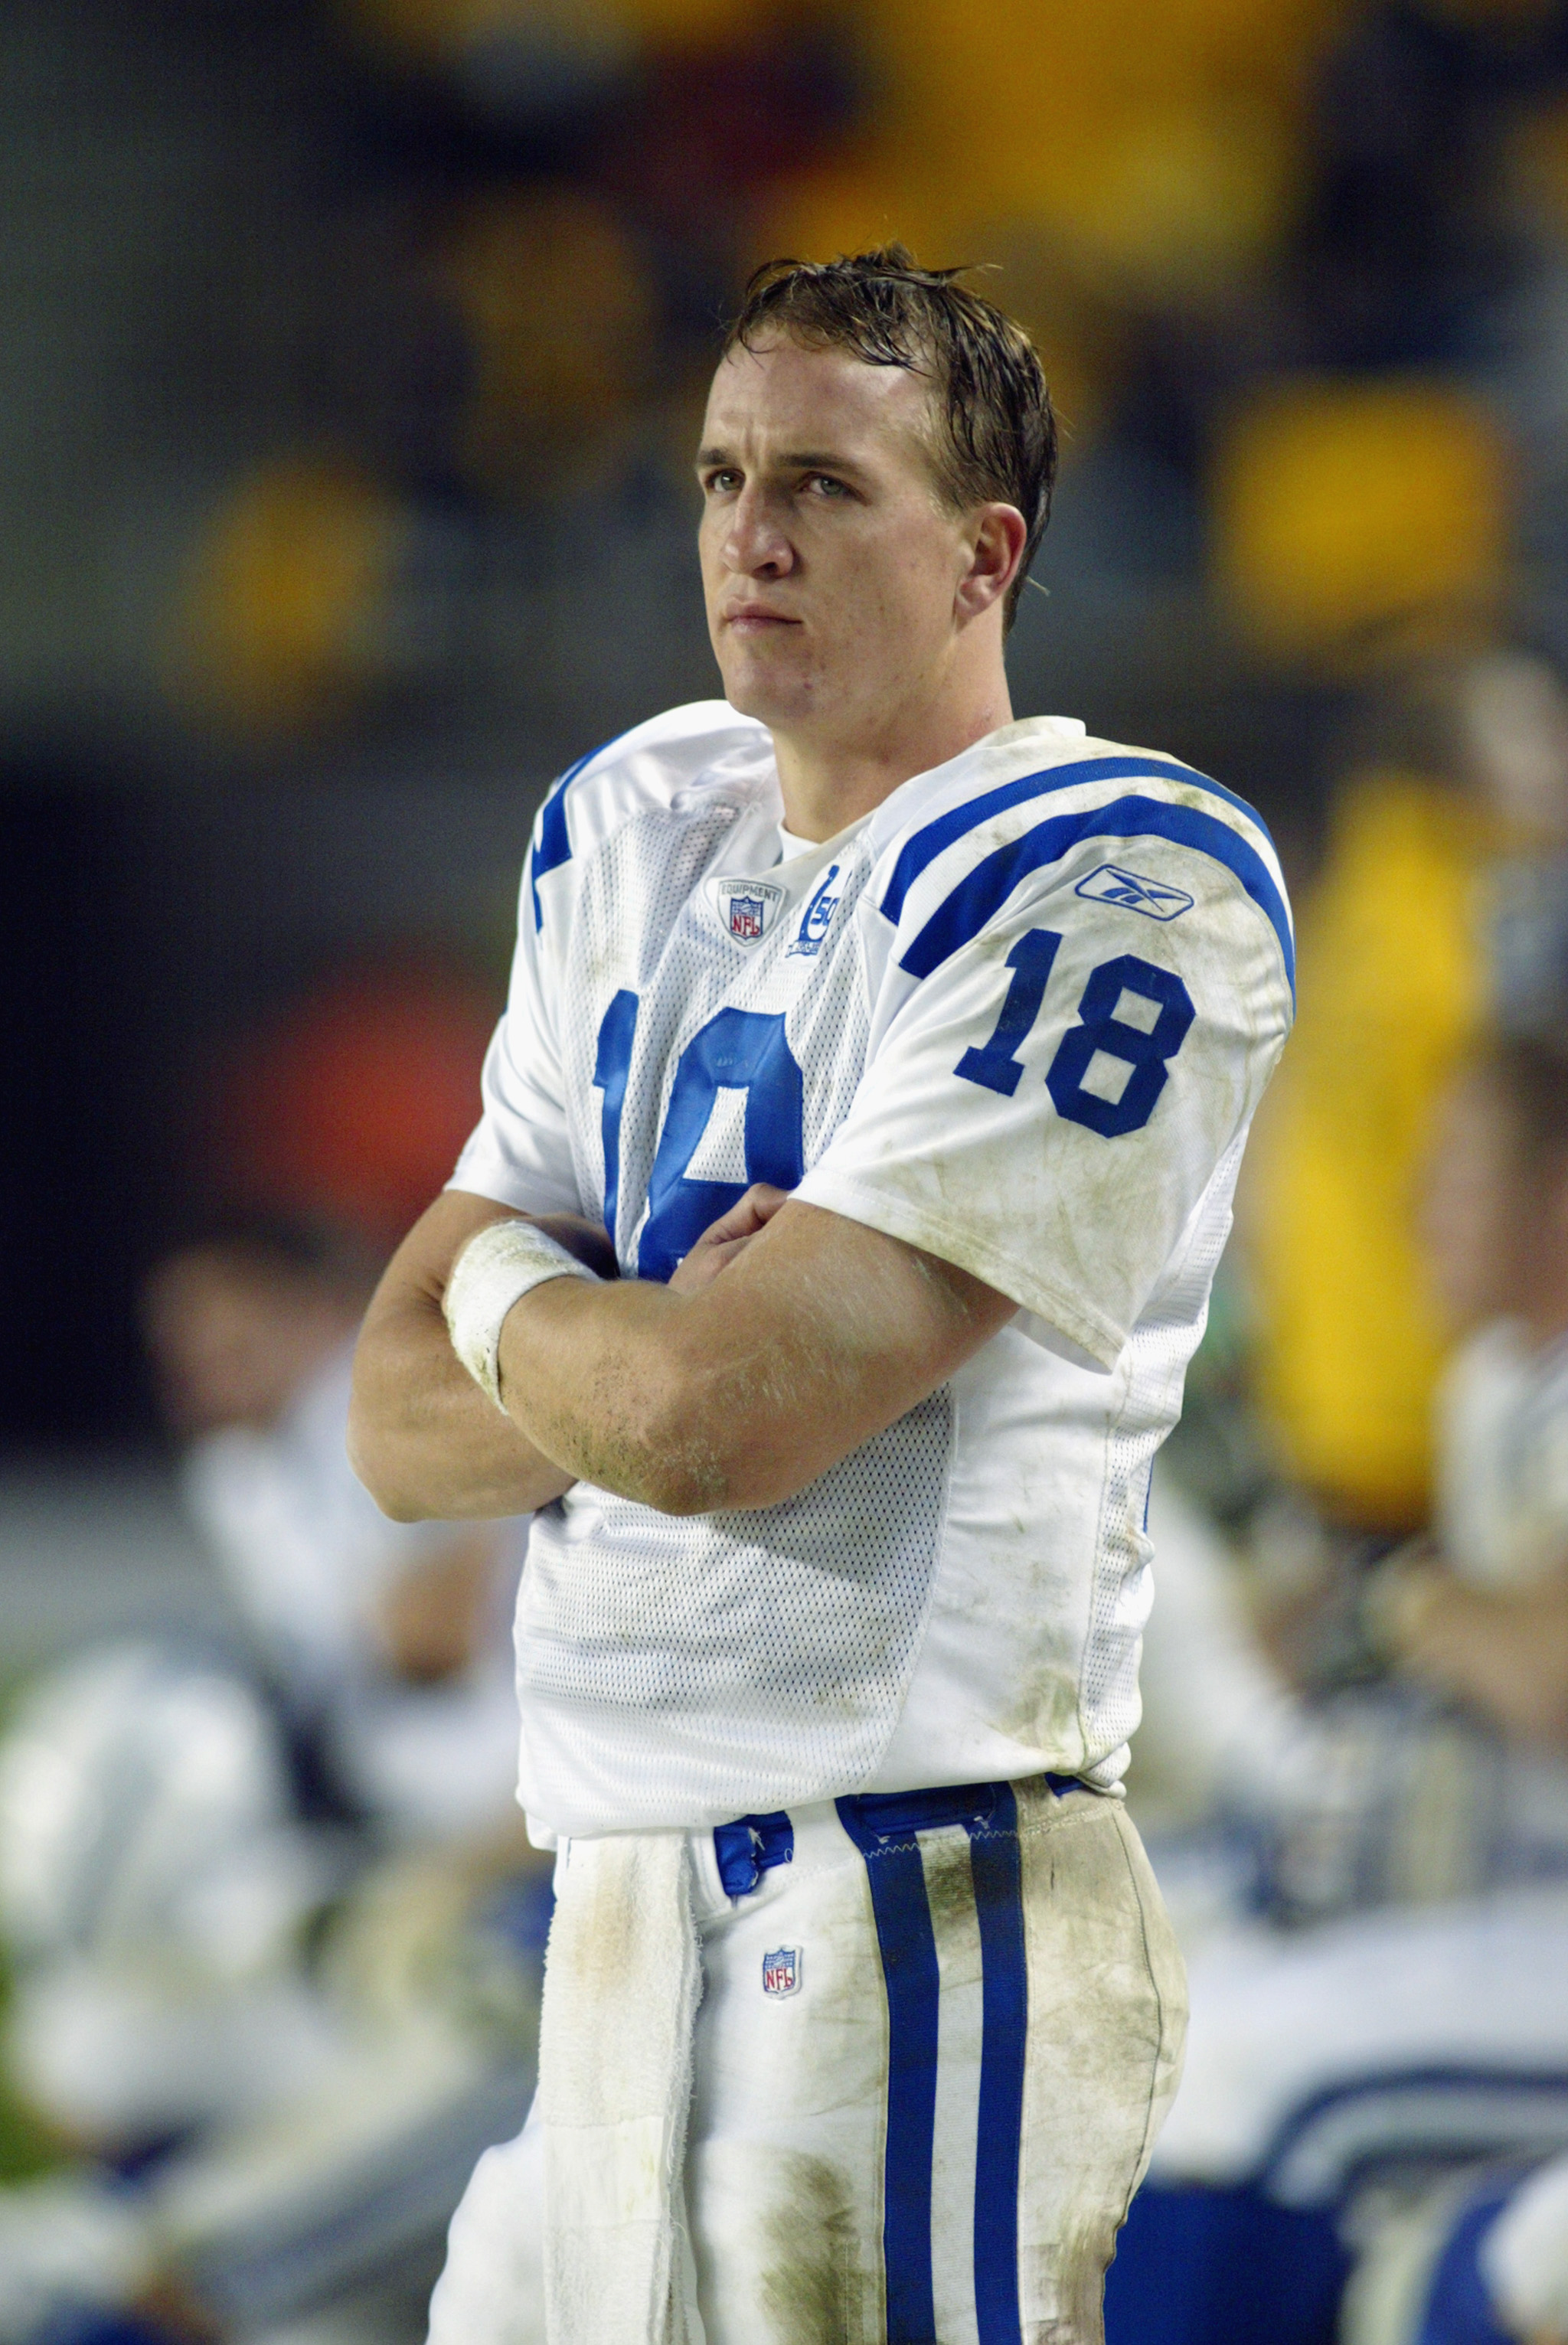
996, 1861
897, 1877
883, 1828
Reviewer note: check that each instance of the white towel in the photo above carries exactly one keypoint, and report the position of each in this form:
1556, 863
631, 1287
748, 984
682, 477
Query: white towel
622, 1982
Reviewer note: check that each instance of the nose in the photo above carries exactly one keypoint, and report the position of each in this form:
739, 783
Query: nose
755, 544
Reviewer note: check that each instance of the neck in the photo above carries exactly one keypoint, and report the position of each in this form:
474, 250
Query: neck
829, 781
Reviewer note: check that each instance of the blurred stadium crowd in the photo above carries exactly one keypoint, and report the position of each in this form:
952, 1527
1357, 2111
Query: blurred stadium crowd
358, 348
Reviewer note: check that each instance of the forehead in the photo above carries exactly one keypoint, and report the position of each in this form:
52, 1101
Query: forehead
787, 396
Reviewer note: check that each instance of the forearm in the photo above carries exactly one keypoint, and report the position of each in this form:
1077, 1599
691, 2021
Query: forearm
427, 1443
422, 1438
609, 1383
739, 1393
732, 1390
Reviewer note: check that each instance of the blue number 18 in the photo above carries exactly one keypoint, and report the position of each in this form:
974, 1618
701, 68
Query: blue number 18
1146, 1050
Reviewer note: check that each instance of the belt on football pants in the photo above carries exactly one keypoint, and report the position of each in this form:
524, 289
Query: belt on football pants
752, 1845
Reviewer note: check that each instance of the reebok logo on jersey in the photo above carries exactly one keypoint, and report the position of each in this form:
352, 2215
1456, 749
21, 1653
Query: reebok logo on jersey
747, 908
1111, 885
781, 1971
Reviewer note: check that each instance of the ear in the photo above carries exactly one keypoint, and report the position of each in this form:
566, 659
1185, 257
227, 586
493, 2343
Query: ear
997, 545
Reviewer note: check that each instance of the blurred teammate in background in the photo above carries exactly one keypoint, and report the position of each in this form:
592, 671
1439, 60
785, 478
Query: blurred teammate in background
1484, 1615
301, 2115
298, 2044
273, 2074
389, 1643
1439, 2036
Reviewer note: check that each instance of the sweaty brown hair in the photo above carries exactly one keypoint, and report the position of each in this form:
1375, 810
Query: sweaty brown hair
995, 437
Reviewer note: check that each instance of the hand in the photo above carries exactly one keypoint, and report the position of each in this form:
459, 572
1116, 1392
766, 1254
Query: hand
586, 1239
730, 1236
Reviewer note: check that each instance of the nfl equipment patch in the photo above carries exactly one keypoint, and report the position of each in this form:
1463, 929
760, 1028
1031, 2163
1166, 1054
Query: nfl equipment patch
781, 1971
1111, 885
747, 908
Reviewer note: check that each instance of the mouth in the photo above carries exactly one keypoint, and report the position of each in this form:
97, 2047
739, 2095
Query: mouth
756, 619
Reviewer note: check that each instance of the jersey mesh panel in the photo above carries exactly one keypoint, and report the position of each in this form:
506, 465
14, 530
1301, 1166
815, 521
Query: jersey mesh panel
762, 1656
1161, 1347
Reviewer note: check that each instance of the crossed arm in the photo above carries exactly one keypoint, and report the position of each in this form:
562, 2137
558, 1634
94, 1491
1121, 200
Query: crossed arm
786, 1337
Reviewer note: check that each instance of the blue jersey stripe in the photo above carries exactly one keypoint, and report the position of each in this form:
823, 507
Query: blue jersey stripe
997, 1865
908, 1944
938, 836
553, 846
984, 889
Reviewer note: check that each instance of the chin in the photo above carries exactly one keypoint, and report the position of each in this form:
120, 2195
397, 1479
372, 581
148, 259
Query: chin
757, 689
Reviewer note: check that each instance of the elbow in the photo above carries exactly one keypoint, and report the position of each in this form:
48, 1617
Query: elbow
374, 1461
672, 1472
669, 1449
398, 1506
720, 1477
693, 1450
679, 1486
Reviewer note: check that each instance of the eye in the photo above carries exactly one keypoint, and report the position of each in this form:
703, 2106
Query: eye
824, 484
722, 481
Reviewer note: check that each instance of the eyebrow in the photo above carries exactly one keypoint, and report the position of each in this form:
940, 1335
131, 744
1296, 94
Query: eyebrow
791, 460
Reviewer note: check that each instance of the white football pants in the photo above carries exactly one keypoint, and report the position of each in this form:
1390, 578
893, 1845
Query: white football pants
934, 2050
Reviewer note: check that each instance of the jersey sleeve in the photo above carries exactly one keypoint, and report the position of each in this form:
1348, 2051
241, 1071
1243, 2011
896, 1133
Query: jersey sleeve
519, 1152
1053, 1085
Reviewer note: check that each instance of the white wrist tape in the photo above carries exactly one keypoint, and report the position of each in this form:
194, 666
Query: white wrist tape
494, 1271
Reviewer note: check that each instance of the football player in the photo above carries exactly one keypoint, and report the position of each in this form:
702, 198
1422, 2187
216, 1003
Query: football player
856, 1148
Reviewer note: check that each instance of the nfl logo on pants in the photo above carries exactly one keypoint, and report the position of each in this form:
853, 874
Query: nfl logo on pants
781, 1971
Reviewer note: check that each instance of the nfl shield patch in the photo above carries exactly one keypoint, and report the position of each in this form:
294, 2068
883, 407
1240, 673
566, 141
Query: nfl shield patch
781, 1971
747, 908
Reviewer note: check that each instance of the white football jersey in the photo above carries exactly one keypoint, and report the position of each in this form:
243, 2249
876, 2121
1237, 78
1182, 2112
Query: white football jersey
1020, 1015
